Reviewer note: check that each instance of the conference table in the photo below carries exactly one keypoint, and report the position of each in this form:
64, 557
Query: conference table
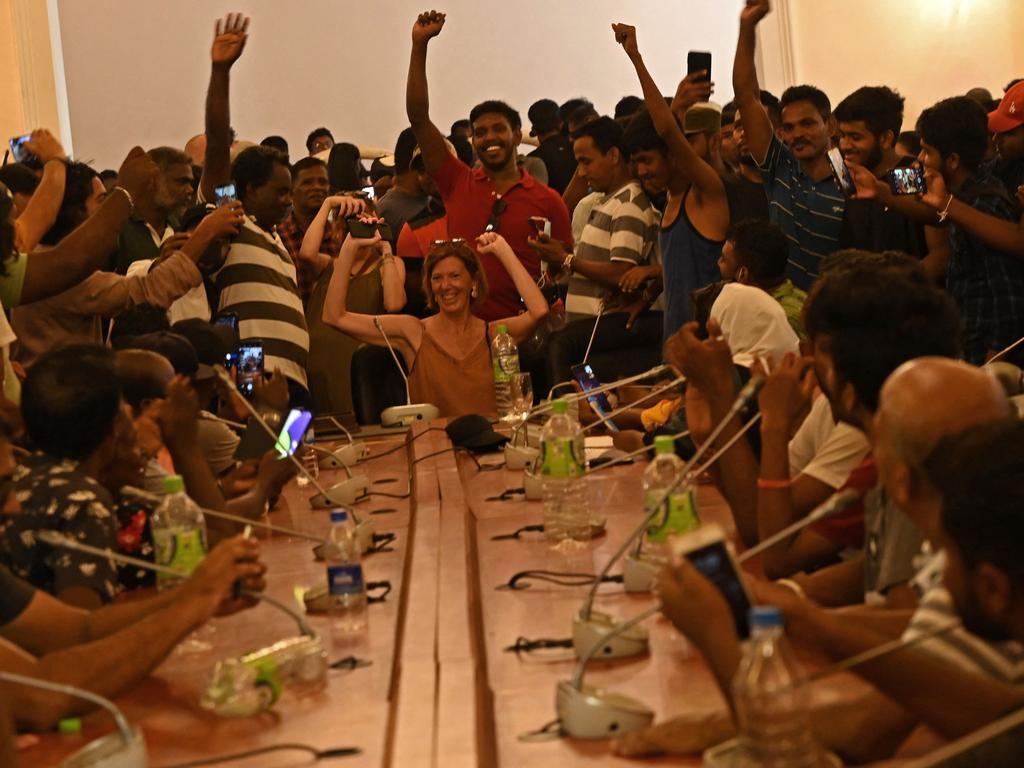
441, 690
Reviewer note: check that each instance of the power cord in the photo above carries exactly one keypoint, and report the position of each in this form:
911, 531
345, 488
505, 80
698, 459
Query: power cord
557, 577
318, 754
525, 645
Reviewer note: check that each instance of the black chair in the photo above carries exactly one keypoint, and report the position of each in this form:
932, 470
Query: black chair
616, 352
376, 383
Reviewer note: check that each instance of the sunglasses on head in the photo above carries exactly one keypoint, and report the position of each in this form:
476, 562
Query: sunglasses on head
495, 219
442, 243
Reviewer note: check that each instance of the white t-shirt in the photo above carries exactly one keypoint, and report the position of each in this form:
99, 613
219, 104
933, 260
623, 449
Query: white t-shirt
12, 384
825, 450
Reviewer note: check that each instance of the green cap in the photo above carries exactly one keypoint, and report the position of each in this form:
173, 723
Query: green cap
502, 328
173, 484
560, 405
70, 725
664, 444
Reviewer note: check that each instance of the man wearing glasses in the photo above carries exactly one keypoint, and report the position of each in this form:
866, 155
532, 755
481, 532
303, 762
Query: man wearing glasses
497, 196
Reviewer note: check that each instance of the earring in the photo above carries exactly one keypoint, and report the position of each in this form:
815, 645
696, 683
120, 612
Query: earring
472, 293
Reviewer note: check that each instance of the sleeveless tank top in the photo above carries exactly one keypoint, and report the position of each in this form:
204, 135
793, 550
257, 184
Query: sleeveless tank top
456, 386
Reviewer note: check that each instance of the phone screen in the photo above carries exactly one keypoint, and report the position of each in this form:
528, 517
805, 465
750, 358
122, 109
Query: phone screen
18, 150
250, 367
841, 173
369, 192
697, 61
714, 562
907, 181
292, 432
224, 194
229, 320
585, 377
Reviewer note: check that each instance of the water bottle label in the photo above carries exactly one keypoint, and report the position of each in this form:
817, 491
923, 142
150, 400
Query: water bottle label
680, 516
505, 366
559, 459
345, 579
182, 550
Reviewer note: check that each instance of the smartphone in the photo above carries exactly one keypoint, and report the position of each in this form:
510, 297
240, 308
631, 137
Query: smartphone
292, 432
843, 177
18, 150
224, 194
907, 181
584, 376
250, 366
697, 61
712, 555
541, 225
227, 319
360, 229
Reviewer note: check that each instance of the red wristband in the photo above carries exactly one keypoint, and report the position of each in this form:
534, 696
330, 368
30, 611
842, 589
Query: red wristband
763, 484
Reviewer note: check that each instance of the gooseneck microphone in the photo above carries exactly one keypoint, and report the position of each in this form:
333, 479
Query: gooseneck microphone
124, 749
403, 415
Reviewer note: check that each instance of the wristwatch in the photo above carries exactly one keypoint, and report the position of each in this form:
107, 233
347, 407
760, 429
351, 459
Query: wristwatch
567, 262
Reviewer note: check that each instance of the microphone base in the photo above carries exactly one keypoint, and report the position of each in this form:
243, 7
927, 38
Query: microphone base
343, 494
593, 713
586, 633
111, 751
639, 573
346, 456
405, 415
519, 457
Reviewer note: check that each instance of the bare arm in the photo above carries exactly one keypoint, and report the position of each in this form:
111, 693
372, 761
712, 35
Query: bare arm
392, 278
836, 585
417, 102
744, 82
230, 34
405, 331
606, 273
936, 263
522, 326
42, 209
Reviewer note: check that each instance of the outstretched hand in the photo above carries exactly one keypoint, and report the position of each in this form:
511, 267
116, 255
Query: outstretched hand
492, 242
428, 24
625, 35
137, 175
230, 34
692, 90
754, 11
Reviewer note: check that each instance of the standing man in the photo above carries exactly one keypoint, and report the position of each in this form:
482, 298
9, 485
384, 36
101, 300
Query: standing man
555, 149
406, 198
496, 197
805, 200
309, 190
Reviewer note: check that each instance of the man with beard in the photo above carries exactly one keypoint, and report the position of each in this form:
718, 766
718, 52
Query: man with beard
154, 221
805, 200
496, 197
696, 216
745, 187
309, 190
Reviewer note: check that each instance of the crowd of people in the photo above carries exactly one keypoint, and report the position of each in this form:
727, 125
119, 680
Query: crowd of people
720, 239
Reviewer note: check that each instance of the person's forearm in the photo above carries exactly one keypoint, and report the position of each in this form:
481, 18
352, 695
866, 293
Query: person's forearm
606, 273
417, 99
314, 237
721, 649
79, 254
744, 71
536, 305
1003, 235
115, 617
392, 278
910, 207
936, 263
337, 289
836, 585
922, 682
42, 209
774, 505
575, 191
891, 622
737, 468
108, 294
107, 666
217, 161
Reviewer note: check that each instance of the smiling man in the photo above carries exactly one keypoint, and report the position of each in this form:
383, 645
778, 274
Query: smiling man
498, 196
804, 198
309, 190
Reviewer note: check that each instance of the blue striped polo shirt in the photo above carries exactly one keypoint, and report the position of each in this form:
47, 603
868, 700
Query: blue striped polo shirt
809, 213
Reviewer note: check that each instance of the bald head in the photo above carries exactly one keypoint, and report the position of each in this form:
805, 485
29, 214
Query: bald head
143, 376
195, 148
930, 397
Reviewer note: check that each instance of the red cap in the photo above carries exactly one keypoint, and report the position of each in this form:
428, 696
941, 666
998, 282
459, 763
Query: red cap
1010, 112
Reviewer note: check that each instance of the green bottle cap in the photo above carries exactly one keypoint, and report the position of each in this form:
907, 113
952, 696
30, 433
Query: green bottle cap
70, 725
664, 444
173, 484
560, 406
502, 328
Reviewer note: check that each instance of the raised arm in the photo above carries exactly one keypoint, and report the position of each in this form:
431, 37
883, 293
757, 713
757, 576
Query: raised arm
230, 34
344, 207
744, 81
522, 326
703, 177
87, 248
42, 209
392, 278
405, 331
417, 102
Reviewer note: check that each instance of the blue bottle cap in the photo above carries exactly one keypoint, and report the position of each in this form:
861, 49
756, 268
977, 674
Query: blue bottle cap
765, 617
339, 515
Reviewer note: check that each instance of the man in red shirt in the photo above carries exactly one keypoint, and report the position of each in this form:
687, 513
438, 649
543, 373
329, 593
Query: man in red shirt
497, 196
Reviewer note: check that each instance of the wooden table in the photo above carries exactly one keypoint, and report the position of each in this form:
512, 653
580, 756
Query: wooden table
441, 692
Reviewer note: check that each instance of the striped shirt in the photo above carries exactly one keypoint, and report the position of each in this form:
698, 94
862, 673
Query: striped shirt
258, 283
623, 226
809, 213
1003, 661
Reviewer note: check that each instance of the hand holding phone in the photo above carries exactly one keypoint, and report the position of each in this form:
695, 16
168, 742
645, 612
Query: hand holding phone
842, 175
699, 62
907, 181
250, 367
224, 194
584, 376
18, 150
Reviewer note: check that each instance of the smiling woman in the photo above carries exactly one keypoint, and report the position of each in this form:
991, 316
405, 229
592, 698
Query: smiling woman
448, 354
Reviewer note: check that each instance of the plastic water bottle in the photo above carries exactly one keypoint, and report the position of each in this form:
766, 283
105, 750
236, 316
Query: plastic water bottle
505, 358
346, 587
679, 511
179, 532
308, 457
564, 488
771, 702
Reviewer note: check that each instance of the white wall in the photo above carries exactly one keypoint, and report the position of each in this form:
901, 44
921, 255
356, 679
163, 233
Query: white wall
926, 49
137, 70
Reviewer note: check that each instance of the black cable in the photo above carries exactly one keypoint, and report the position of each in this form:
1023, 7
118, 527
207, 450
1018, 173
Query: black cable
390, 495
525, 645
374, 585
318, 754
560, 578
516, 534
403, 444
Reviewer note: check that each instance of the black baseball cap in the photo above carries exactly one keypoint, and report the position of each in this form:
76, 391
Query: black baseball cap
211, 342
175, 347
474, 432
